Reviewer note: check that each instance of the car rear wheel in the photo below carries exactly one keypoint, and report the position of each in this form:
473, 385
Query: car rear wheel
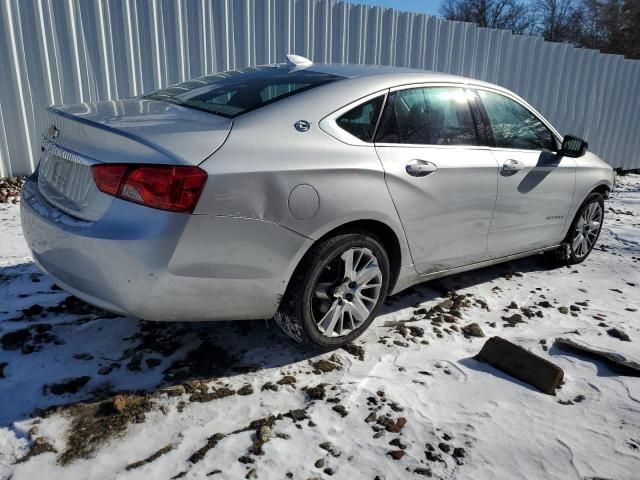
335, 293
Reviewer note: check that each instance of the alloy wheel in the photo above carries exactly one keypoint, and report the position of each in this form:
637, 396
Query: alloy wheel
586, 230
346, 291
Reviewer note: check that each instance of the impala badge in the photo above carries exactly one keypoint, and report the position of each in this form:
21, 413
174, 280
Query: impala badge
53, 132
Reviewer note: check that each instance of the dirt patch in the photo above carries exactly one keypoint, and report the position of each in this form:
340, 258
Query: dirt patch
317, 392
513, 320
245, 390
341, 410
390, 425
355, 350
10, 189
472, 330
619, 334
40, 446
262, 435
33, 310
297, 415
150, 458
325, 366
287, 380
206, 361
396, 454
263, 428
70, 385
29, 339
269, 386
212, 441
93, 424
331, 448
215, 394
164, 338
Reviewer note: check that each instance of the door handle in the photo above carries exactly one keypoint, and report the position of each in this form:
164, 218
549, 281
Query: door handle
420, 168
512, 165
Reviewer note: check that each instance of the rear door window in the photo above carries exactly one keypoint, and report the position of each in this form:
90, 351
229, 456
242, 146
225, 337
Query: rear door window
428, 116
361, 121
239, 91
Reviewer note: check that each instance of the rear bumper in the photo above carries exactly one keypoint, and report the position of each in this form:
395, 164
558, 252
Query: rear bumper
158, 265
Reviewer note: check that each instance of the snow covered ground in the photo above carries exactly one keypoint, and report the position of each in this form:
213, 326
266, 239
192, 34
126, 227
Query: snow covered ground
84, 394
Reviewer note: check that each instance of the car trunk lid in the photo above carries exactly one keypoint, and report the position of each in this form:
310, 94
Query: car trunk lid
139, 131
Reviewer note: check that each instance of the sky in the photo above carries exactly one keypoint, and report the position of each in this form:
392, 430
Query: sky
420, 6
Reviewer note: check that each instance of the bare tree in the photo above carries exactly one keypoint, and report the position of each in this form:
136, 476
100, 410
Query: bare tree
611, 26
596, 23
631, 28
511, 15
558, 20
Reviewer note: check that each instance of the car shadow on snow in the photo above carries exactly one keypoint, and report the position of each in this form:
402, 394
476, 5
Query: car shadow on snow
57, 350
433, 289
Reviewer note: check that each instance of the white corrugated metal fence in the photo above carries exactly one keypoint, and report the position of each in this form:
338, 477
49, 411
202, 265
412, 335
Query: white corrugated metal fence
70, 51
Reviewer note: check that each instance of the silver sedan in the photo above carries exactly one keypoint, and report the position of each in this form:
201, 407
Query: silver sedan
302, 192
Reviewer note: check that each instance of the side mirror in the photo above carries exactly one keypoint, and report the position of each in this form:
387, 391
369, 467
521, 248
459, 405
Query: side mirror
573, 147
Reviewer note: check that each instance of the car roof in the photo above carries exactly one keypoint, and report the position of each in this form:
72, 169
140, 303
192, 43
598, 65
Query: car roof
387, 76
360, 70
358, 82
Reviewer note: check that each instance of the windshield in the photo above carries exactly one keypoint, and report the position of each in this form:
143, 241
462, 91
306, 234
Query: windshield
236, 92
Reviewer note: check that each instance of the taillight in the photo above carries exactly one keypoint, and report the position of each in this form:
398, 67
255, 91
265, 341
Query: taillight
167, 187
109, 177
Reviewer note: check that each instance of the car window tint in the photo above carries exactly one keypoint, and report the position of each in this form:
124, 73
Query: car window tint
361, 120
428, 116
236, 92
514, 126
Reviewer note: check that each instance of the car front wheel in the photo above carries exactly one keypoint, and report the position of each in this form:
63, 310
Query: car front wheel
585, 228
335, 293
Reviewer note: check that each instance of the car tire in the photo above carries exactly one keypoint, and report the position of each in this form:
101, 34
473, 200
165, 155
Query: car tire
323, 307
581, 238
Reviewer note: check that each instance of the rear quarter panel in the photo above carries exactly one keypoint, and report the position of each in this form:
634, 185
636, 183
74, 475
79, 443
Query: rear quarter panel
265, 158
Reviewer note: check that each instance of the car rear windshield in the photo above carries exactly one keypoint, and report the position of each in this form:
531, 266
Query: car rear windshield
236, 92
